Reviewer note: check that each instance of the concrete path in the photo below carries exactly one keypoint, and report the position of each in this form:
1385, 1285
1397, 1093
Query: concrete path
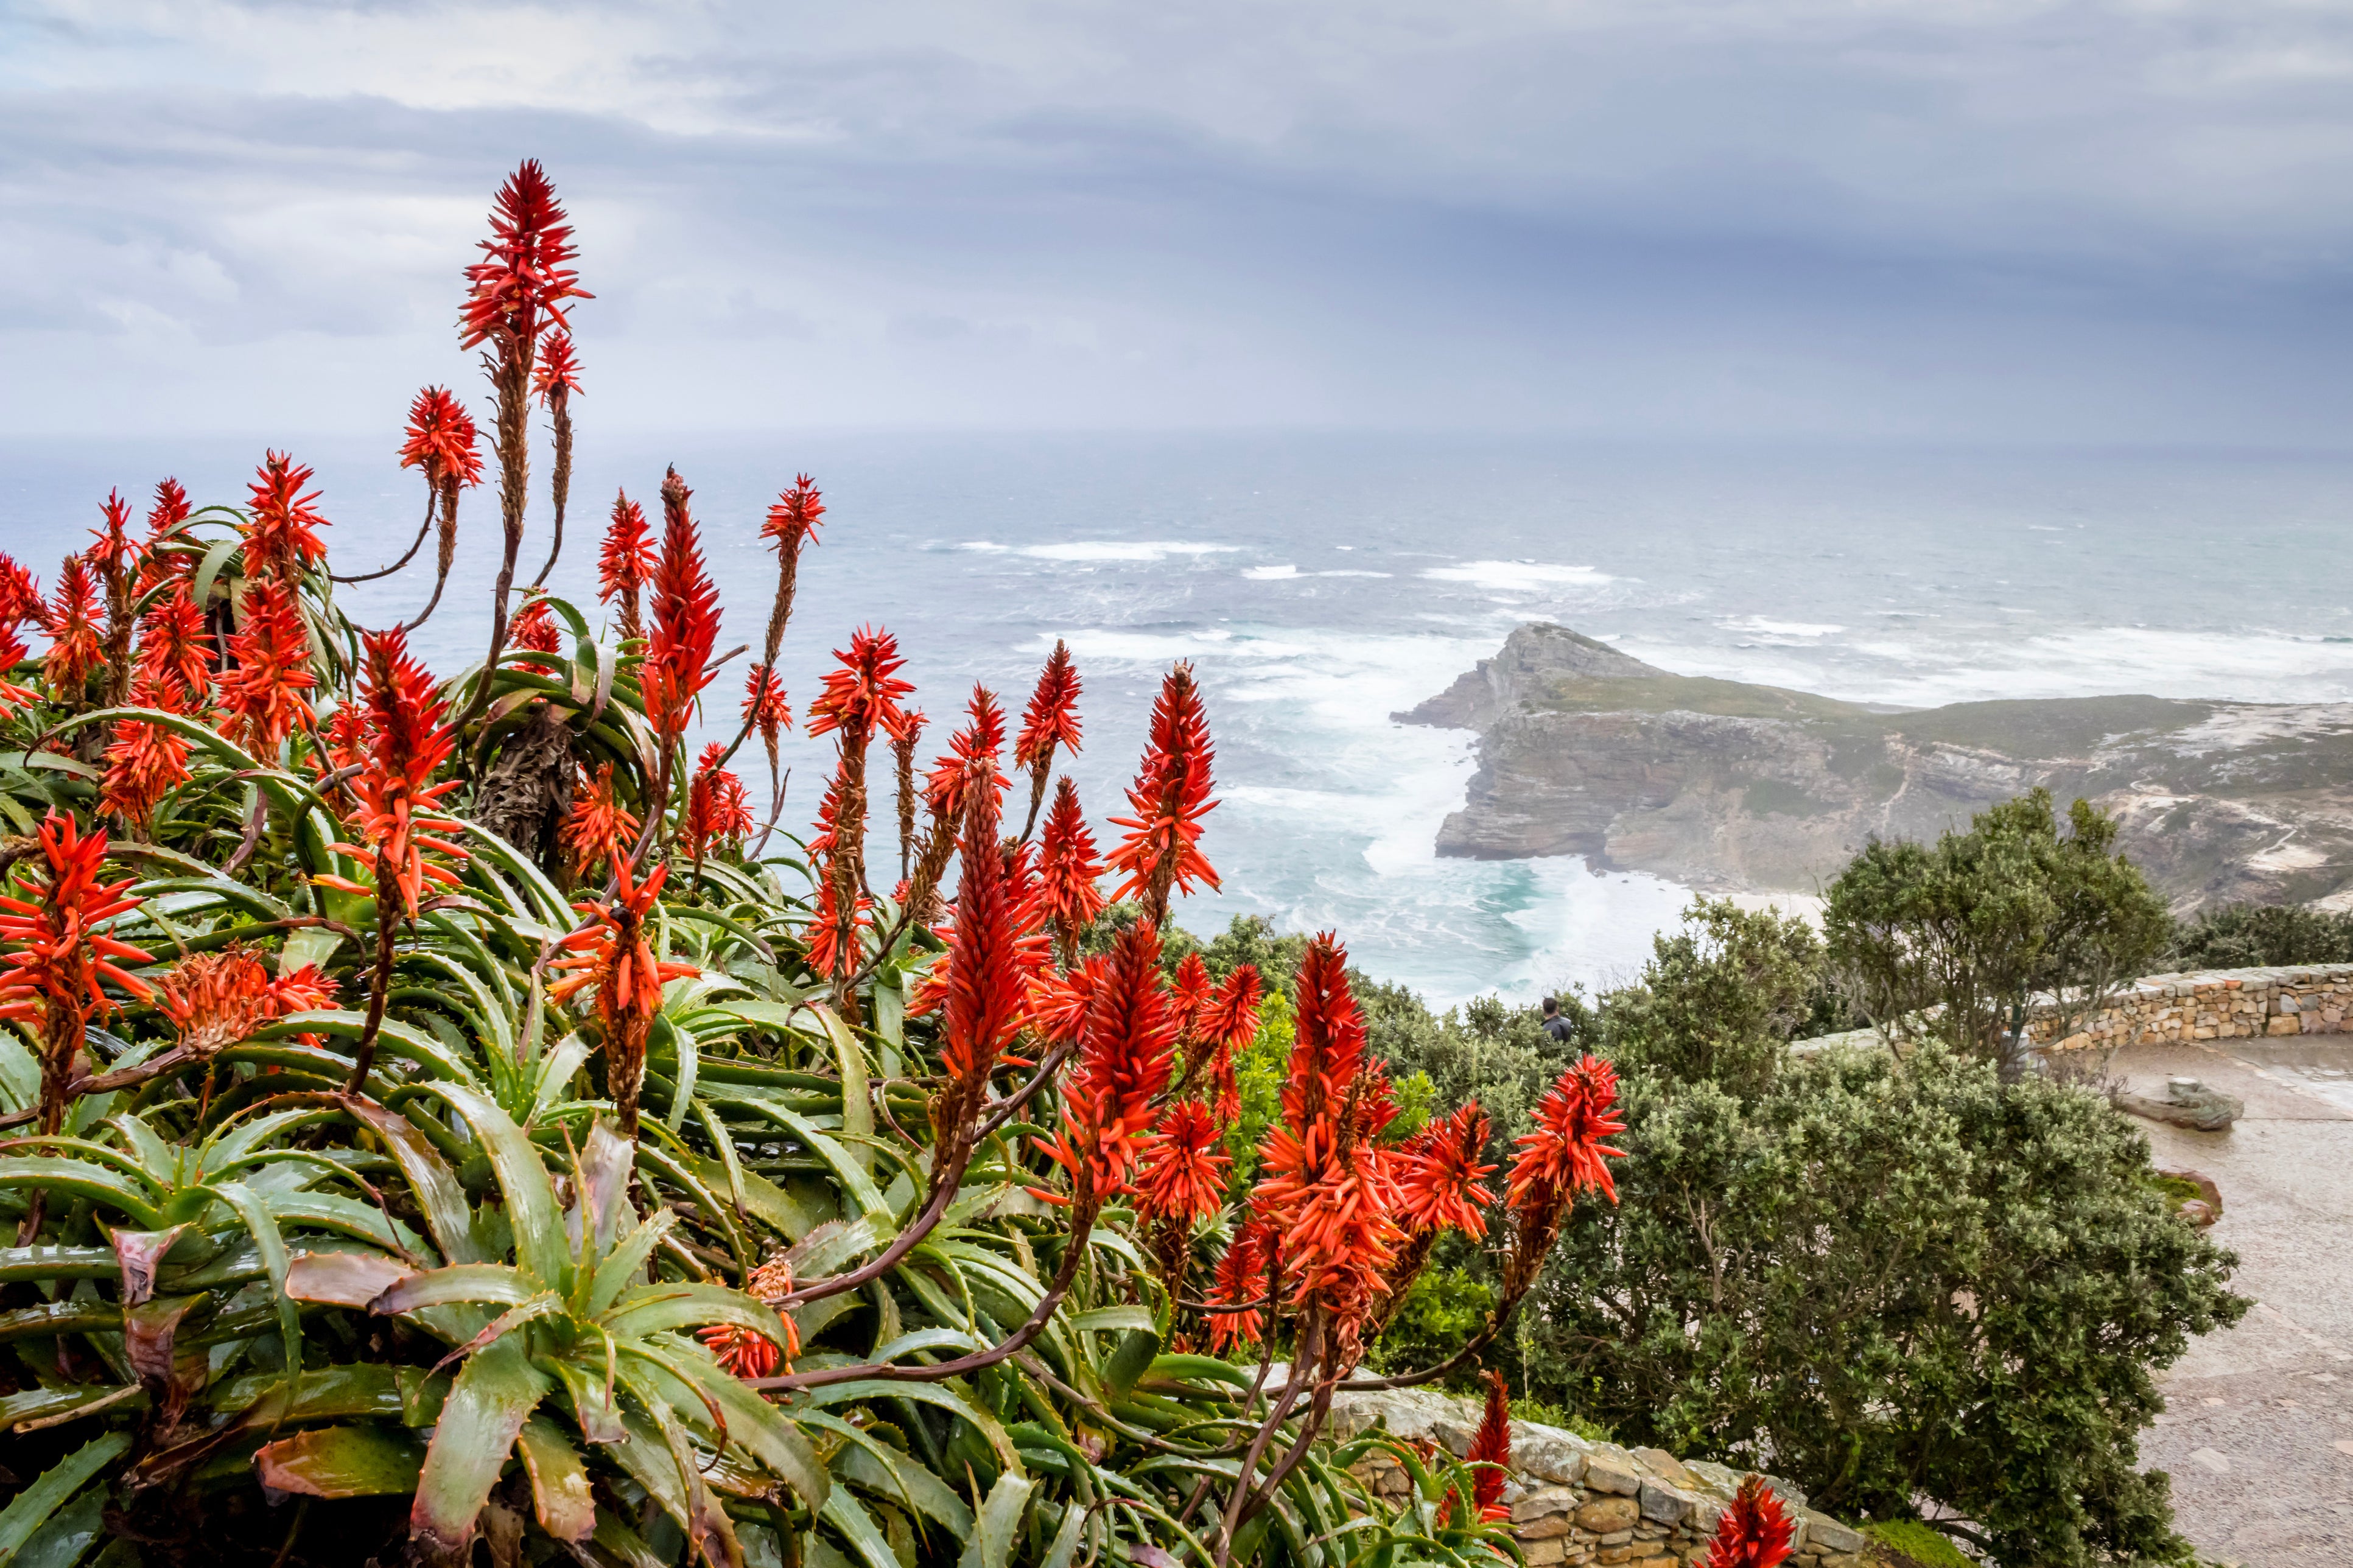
2258, 1432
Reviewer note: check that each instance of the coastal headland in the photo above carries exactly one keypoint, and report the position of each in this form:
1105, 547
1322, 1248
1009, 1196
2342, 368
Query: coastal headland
1731, 787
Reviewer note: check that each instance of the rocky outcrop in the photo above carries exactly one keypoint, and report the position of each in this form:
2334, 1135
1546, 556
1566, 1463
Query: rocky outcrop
1729, 786
1575, 1503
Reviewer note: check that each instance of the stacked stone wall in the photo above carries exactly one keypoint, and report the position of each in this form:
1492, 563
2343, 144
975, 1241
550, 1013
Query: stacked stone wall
1576, 1502
2198, 1004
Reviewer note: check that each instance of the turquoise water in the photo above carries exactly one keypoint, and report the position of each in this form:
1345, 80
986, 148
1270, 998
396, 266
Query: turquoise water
1321, 582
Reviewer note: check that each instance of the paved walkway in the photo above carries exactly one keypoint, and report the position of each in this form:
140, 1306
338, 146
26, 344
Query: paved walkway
2258, 1432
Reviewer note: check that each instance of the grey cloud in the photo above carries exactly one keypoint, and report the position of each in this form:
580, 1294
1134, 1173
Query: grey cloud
2105, 221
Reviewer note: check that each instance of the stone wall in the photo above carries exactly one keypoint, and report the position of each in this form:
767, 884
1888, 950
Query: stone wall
1576, 1502
2201, 1005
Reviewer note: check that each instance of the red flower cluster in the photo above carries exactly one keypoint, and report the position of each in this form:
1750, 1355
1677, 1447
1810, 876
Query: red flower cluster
144, 761
405, 739
175, 653
744, 1352
558, 372
1180, 1169
599, 827
534, 631
613, 955
281, 537
1161, 851
60, 955
1491, 1448
861, 691
767, 712
218, 999
717, 809
1239, 1283
1067, 866
519, 287
1125, 1045
441, 439
269, 669
74, 648
686, 618
1754, 1532
1438, 1171
1051, 720
794, 520
625, 562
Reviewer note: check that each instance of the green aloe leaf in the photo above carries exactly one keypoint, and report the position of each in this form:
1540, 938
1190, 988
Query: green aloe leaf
559, 1481
493, 1395
1000, 1523
493, 1283
343, 1461
32, 1507
447, 1216
538, 1225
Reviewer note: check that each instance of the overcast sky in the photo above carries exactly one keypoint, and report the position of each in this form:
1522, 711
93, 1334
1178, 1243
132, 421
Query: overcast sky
1977, 220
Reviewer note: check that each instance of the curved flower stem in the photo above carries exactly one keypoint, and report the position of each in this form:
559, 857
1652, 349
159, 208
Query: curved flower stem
387, 907
1074, 1254
947, 1180
431, 498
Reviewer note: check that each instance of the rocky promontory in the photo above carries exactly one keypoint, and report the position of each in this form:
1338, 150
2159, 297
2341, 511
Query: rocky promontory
1728, 786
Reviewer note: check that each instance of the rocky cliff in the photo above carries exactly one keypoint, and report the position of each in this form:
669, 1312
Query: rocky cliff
1729, 786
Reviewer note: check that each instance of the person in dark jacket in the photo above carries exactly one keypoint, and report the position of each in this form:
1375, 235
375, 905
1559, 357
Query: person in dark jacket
1554, 1024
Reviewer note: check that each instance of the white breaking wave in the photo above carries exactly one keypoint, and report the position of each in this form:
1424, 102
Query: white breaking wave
1780, 628
1524, 577
1105, 550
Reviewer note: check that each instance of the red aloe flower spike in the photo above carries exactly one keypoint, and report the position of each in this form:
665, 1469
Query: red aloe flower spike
261, 694
614, 955
959, 781
1754, 1532
1161, 851
282, 538
59, 956
792, 523
156, 564
218, 999
1491, 1446
1565, 1155
441, 442
1190, 988
520, 286
600, 827
987, 989
626, 563
12, 654
176, 651
556, 384
408, 739
144, 761
744, 1352
860, 696
1181, 1170
717, 810
1051, 719
1067, 869
534, 631
686, 626
1123, 1061
1440, 1170
74, 646
20, 595
118, 560
1241, 1280
834, 948
516, 292
170, 510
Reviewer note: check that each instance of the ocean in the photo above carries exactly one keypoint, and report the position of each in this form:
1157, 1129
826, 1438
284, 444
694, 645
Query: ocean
1321, 581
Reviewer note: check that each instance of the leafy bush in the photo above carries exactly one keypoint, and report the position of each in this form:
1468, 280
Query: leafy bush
452, 1126
2261, 936
1893, 1281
